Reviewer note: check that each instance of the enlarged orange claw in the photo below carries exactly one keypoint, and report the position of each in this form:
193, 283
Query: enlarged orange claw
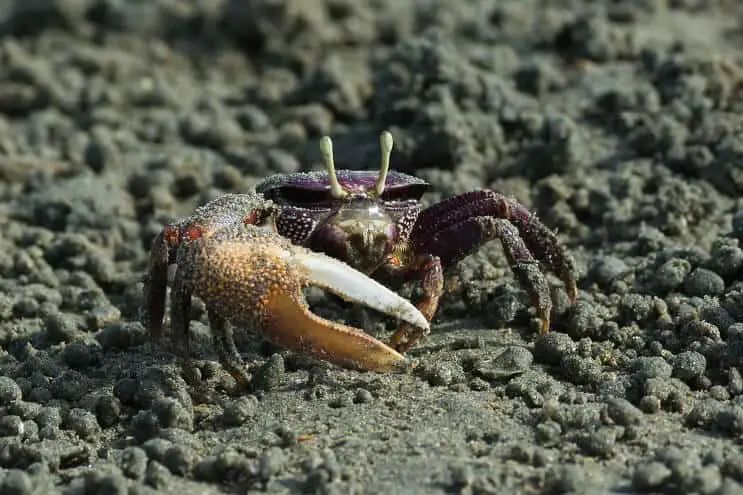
249, 275
293, 326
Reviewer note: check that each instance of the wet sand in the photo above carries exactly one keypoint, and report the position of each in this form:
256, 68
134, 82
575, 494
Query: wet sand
617, 122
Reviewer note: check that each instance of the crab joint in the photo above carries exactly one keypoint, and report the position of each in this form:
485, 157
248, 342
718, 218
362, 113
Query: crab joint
326, 148
385, 145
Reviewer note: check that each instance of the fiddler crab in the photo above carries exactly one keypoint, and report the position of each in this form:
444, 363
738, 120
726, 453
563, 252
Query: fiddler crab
249, 257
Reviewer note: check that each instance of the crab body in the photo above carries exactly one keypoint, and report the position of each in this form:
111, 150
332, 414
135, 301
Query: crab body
362, 229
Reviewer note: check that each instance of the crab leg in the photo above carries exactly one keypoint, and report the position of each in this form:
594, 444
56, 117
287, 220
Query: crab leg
452, 229
252, 276
459, 210
524, 266
155, 287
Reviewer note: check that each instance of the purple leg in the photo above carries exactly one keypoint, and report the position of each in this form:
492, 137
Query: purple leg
475, 231
523, 264
456, 227
453, 245
428, 269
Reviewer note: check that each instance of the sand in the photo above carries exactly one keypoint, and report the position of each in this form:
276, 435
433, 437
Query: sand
617, 122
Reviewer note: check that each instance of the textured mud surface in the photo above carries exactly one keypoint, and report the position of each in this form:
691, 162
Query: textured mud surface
617, 121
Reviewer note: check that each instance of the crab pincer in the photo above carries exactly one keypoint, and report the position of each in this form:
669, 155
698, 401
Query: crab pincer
248, 275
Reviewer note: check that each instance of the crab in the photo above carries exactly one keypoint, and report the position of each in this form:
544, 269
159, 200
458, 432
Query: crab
354, 233
229, 254
374, 222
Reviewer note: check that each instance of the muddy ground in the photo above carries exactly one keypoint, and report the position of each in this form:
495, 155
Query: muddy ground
618, 122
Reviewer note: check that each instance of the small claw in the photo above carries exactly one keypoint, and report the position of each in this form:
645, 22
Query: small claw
254, 276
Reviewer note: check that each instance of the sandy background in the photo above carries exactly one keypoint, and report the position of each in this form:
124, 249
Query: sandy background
617, 121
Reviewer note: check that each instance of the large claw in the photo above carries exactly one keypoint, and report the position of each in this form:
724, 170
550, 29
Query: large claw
250, 275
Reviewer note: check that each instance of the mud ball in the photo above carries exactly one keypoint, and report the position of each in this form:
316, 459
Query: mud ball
133, 462
49, 417
100, 482
701, 282
79, 355
671, 274
269, 376
650, 476
70, 385
652, 367
11, 426
623, 412
171, 413
180, 459
689, 365
271, 463
82, 422
9, 391
607, 269
108, 409
15, 481
238, 411
553, 347
144, 425
548, 432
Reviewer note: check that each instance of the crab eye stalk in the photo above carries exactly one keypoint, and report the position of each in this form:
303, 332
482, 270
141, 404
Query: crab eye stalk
326, 148
385, 144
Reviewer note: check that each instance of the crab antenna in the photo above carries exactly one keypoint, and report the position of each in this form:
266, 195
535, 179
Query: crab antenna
385, 143
326, 148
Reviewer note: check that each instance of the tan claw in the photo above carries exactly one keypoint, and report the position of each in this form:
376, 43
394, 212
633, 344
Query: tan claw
253, 276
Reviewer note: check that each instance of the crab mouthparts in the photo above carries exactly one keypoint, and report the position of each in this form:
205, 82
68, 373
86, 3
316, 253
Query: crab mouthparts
336, 189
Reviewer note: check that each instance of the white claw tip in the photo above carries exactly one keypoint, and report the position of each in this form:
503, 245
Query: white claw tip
352, 285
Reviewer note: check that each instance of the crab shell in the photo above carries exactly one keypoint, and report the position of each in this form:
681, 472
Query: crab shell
313, 188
